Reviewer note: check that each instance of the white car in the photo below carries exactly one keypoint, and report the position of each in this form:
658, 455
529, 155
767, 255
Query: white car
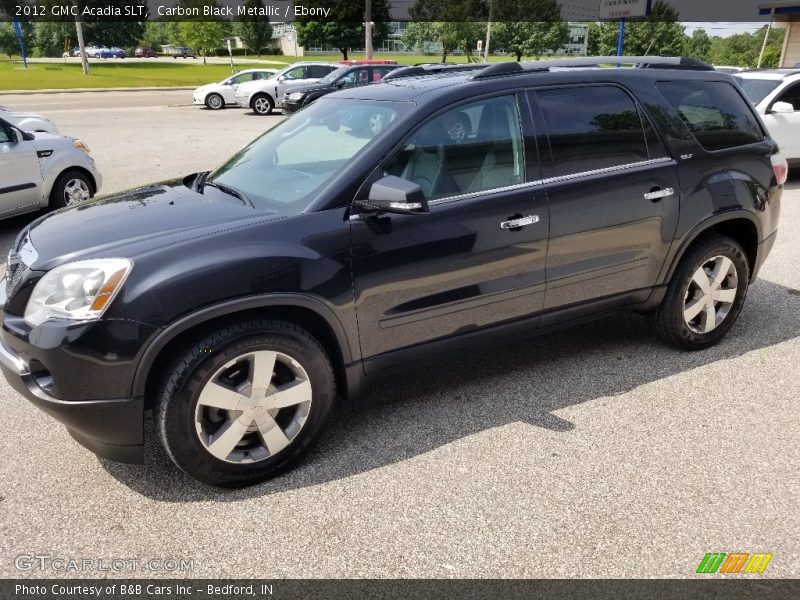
776, 95
263, 96
40, 170
216, 95
28, 121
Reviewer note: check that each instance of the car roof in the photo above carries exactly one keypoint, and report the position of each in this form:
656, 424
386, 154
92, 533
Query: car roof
423, 87
768, 73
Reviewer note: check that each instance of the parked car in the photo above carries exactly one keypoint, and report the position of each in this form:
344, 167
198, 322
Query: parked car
240, 303
40, 170
296, 97
117, 53
263, 96
217, 95
145, 53
183, 52
28, 121
72, 53
366, 62
776, 95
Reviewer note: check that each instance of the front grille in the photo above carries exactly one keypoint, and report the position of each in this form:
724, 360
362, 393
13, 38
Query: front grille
19, 259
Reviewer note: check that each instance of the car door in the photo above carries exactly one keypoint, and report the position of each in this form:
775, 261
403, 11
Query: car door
478, 258
785, 127
613, 194
20, 175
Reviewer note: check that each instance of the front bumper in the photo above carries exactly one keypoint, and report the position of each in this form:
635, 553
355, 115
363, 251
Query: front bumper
113, 429
291, 106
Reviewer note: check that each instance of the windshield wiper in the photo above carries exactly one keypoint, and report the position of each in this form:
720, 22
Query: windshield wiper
228, 190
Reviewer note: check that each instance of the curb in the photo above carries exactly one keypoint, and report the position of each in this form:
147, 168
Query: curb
83, 90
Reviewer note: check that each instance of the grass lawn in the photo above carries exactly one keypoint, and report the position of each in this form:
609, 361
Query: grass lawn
122, 74
132, 73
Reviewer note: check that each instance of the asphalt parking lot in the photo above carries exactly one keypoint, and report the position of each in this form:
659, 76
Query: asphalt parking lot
591, 452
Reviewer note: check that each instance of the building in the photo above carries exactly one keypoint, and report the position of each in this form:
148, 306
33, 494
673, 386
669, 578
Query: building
787, 17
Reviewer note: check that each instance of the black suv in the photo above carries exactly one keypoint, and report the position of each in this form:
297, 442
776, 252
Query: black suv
298, 96
240, 303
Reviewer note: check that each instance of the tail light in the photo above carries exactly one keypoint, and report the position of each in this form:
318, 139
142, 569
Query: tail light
780, 167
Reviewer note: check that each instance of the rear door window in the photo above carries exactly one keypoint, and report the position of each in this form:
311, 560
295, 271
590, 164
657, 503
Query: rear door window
714, 112
791, 95
592, 127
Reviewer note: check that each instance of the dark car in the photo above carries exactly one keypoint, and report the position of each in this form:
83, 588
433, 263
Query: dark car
296, 97
145, 53
239, 304
183, 52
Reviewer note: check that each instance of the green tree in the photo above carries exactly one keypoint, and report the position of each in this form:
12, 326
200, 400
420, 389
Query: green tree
699, 45
157, 34
593, 45
344, 26
453, 24
9, 45
202, 36
255, 31
450, 35
529, 27
743, 49
659, 34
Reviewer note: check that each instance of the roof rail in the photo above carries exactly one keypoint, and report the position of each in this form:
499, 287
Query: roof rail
434, 69
645, 62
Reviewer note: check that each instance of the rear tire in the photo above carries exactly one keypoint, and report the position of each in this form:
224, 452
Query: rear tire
262, 104
705, 296
245, 402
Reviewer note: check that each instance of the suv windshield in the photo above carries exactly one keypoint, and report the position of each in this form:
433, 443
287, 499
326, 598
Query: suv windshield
757, 89
281, 170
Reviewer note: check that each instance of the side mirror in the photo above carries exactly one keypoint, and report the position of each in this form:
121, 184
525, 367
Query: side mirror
394, 195
282, 78
782, 108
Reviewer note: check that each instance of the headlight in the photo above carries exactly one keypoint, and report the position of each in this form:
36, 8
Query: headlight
296, 96
80, 290
81, 146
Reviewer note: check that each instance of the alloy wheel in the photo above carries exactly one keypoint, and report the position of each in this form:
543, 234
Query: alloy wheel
253, 407
711, 294
76, 191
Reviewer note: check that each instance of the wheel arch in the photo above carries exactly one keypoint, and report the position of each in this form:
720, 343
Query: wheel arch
739, 225
306, 311
260, 93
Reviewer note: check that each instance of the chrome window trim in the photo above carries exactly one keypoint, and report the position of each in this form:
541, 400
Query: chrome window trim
607, 170
551, 180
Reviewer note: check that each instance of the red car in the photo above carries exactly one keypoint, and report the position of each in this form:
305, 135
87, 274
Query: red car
145, 53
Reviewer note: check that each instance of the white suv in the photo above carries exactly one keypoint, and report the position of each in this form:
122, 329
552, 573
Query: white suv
776, 94
263, 96
39, 170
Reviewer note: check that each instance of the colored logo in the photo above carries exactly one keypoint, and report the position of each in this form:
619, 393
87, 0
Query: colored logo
735, 562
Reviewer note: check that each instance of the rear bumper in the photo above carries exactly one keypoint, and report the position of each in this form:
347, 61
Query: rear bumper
113, 429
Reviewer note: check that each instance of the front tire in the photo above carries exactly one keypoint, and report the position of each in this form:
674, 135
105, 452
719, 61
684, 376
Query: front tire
246, 402
71, 188
215, 102
705, 295
262, 104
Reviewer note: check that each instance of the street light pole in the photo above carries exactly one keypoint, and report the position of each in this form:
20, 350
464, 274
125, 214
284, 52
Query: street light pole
368, 30
81, 43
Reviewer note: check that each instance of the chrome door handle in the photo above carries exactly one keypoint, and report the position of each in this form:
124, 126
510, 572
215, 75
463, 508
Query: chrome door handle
658, 194
521, 222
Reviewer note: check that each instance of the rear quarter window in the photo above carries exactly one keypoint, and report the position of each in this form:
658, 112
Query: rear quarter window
714, 112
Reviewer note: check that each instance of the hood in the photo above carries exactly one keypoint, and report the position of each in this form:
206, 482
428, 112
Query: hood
208, 86
135, 221
311, 87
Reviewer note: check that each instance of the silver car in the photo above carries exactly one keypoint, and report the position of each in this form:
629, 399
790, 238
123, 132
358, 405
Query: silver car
263, 96
28, 121
40, 170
